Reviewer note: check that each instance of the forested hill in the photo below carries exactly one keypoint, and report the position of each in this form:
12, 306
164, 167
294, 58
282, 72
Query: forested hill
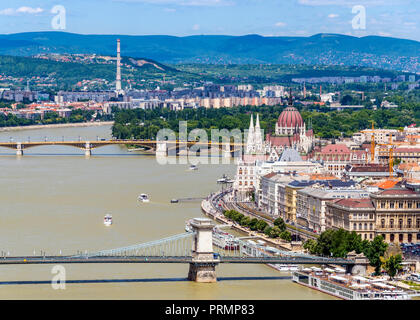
325, 49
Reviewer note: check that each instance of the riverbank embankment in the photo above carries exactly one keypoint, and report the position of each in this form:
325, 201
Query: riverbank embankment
57, 125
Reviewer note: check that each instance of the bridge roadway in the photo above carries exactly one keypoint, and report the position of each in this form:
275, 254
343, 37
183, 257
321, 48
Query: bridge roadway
170, 259
99, 143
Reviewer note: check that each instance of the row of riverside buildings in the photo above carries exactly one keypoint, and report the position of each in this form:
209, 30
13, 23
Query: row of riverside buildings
330, 187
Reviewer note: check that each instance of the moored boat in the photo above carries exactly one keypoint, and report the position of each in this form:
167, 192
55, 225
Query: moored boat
143, 197
108, 220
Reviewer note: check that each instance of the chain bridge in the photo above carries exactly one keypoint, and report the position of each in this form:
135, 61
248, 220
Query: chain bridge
194, 248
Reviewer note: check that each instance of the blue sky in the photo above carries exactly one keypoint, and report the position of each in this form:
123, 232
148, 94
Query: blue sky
395, 18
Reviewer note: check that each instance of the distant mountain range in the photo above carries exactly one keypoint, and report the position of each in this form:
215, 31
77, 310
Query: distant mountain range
320, 49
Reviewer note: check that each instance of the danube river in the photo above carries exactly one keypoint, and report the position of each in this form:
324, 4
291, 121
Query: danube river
53, 198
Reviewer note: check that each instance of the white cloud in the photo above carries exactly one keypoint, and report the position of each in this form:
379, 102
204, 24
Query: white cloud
333, 15
208, 3
23, 10
280, 24
29, 10
7, 12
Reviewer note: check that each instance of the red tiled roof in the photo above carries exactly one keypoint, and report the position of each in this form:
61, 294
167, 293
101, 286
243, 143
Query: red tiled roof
407, 150
336, 148
387, 184
281, 141
270, 175
371, 167
400, 191
355, 203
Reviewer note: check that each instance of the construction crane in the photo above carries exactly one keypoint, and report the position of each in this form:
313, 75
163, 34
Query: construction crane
390, 155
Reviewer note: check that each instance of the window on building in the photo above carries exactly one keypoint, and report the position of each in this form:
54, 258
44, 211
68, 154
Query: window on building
370, 236
391, 205
408, 223
418, 224
371, 226
383, 204
400, 223
365, 226
354, 226
401, 237
409, 205
365, 236
360, 226
418, 205
391, 237
391, 223
418, 236
383, 223
410, 237
400, 205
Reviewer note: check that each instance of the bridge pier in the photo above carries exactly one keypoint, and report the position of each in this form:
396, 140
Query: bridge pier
88, 149
19, 149
161, 149
360, 264
203, 265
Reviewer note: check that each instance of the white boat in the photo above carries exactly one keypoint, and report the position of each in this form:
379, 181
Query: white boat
143, 198
223, 179
108, 220
285, 267
135, 149
224, 240
193, 167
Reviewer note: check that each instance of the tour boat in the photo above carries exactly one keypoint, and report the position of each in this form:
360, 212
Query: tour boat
108, 220
193, 167
349, 287
285, 267
223, 179
143, 198
224, 240
174, 201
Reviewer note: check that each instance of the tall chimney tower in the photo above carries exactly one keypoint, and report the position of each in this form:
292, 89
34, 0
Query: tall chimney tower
118, 82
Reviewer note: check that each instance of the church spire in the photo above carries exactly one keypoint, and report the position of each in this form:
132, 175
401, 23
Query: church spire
258, 136
250, 142
290, 98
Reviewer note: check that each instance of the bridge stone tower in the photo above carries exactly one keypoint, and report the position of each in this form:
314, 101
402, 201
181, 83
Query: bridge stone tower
19, 149
88, 149
203, 265
360, 263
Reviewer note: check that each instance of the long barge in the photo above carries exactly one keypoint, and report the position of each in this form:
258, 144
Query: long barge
347, 287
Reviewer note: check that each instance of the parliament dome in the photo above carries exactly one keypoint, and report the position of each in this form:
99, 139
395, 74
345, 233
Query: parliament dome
290, 118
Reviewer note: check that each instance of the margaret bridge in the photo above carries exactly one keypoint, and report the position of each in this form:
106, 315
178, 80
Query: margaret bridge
164, 147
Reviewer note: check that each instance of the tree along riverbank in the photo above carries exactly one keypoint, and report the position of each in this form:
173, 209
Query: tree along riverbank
57, 125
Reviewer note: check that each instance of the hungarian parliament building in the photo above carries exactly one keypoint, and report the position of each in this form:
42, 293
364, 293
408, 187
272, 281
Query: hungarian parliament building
290, 141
